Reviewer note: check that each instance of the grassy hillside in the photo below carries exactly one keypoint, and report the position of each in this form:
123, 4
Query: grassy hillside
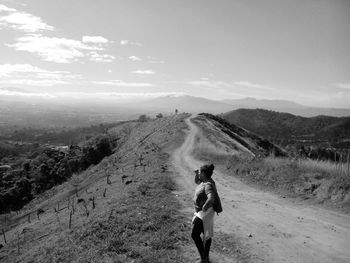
120, 210
286, 129
253, 143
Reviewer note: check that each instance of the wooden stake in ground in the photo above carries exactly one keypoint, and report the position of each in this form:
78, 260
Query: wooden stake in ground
73, 207
93, 202
3, 233
86, 209
104, 192
341, 164
70, 219
348, 163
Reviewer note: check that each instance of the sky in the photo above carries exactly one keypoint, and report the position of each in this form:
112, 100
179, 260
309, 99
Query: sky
225, 49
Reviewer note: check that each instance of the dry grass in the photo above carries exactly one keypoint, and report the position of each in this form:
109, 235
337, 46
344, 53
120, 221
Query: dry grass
136, 221
319, 181
331, 168
143, 226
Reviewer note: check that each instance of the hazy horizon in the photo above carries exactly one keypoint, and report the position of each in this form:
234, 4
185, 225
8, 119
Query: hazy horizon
285, 50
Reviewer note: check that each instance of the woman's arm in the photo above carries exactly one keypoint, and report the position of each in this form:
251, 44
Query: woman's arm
209, 191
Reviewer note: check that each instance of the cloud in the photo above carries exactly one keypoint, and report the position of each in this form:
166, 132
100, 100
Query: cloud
22, 21
143, 72
94, 56
94, 39
207, 83
34, 82
134, 58
8, 70
154, 60
9, 92
60, 50
26, 74
130, 43
345, 86
4, 8
252, 85
120, 83
117, 95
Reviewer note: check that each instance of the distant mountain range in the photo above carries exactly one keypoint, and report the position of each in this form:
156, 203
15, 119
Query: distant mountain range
286, 106
164, 104
263, 103
197, 104
276, 125
184, 104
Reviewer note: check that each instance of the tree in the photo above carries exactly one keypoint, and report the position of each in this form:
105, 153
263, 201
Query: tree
159, 115
104, 147
143, 118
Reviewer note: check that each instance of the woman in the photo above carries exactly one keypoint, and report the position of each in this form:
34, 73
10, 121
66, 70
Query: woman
203, 221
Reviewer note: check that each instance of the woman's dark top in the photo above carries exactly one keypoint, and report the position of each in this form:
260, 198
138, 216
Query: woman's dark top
204, 195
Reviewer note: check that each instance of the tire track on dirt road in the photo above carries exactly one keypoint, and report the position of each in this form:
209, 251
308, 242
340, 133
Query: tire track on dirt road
274, 229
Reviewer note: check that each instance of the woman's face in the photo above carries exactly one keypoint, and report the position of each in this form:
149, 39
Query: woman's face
202, 176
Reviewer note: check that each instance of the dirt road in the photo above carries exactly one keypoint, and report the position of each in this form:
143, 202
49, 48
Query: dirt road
272, 228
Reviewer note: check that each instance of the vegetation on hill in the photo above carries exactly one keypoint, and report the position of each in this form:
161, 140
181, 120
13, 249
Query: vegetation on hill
44, 169
314, 137
283, 125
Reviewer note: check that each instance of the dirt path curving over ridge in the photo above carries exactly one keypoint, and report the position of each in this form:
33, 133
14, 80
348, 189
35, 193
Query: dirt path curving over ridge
271, 228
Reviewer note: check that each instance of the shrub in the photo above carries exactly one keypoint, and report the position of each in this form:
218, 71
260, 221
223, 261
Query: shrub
143, 118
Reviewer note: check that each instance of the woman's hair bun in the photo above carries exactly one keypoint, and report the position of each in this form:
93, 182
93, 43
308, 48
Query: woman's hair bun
208, 169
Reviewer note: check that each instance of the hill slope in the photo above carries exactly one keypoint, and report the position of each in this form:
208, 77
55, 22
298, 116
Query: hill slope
243, 140
108, 213
278, 126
